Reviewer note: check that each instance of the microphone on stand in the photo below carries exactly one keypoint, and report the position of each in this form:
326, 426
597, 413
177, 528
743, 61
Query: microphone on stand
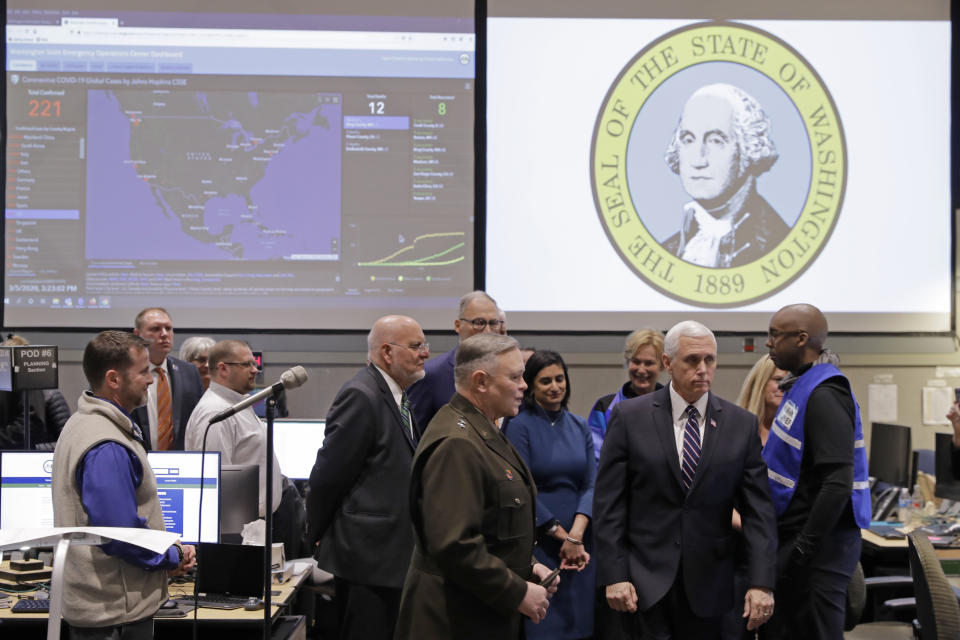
289, 379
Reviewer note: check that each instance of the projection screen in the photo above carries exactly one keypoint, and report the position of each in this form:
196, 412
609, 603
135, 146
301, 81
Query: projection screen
651, 162
263, 166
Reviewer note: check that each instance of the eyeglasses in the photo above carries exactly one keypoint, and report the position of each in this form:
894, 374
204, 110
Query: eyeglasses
481, 323
250, 364
420, 347
774, 334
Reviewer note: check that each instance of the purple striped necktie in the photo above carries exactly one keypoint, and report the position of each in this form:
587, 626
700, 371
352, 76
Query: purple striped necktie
691, 446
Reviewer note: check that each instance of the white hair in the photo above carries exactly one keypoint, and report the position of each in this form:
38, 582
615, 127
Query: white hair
686, 329
196, 346
751, 126
471, 297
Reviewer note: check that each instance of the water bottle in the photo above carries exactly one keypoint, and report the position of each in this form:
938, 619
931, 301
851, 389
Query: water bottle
905, 503
917, 500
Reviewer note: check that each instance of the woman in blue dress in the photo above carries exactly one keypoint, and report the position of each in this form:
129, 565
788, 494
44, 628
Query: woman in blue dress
558, 448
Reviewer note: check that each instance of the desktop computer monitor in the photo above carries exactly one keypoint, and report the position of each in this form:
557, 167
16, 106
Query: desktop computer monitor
240, 497
26, 500
179, 486
295, 443
948, 483
890, 453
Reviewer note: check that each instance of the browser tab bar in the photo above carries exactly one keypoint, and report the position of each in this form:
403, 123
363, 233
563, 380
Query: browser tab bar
89, 22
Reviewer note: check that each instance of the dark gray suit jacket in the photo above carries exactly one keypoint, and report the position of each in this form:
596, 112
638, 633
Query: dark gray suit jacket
358, 505
645, 520
186, 388
435, 388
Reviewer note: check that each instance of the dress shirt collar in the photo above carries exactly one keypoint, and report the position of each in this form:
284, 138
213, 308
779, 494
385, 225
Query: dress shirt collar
394, 387
162, 365
227, 393
678, 405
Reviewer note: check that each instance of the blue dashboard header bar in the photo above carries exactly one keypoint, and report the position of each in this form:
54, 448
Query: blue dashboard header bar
168, 19
242, 62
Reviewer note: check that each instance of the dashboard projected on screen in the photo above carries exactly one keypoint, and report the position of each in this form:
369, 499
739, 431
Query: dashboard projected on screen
308, 171
647, 163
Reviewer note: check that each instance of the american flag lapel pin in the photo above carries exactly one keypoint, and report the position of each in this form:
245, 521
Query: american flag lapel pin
713, 423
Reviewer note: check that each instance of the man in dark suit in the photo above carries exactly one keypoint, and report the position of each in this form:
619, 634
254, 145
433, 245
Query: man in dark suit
477, 313
176, 387
663, 503
357, 507
472, 500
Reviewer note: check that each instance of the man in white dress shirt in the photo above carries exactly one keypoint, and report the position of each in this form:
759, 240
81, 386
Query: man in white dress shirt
241, 438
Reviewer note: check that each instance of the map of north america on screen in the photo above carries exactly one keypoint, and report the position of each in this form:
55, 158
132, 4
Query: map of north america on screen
216, 175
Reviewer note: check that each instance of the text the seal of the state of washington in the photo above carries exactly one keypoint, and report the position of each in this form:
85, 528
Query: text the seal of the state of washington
718, 164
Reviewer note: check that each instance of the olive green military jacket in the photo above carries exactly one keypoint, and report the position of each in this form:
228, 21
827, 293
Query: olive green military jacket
472, 501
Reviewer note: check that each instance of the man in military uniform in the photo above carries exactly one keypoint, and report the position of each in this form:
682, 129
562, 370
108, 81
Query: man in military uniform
472, 504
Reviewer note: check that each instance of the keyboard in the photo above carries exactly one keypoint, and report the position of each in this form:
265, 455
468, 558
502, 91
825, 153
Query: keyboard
31, 606
214, 601
888, 531
941, 529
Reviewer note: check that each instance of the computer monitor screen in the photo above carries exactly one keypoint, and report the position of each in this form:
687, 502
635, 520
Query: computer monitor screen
295, 443
240, 496
948, 482
179, 486
26, 500
890, 453
234, 569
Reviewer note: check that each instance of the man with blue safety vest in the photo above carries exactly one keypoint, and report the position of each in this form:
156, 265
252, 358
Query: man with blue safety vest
817, 470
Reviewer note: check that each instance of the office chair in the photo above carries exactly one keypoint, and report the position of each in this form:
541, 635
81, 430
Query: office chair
937, 610
856, 602
938, 614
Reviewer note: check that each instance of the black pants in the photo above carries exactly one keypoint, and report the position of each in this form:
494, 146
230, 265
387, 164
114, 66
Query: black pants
610, 624
366, 612
734, 624
672, 618
811, 600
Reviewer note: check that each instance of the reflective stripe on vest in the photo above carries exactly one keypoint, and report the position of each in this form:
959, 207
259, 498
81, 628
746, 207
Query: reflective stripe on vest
784, 449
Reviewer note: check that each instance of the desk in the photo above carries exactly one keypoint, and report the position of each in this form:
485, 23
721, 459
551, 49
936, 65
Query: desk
288, 591
241, 623
872, 541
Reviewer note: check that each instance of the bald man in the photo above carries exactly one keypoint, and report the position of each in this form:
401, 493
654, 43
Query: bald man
817, 472
358, 506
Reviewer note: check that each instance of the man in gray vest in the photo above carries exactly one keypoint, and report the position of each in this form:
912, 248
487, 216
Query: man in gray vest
102, 478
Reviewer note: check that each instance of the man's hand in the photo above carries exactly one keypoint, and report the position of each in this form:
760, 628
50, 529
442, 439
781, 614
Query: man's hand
573, 556
187, 562
535, 602
757, 606
621, 596
541, 571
